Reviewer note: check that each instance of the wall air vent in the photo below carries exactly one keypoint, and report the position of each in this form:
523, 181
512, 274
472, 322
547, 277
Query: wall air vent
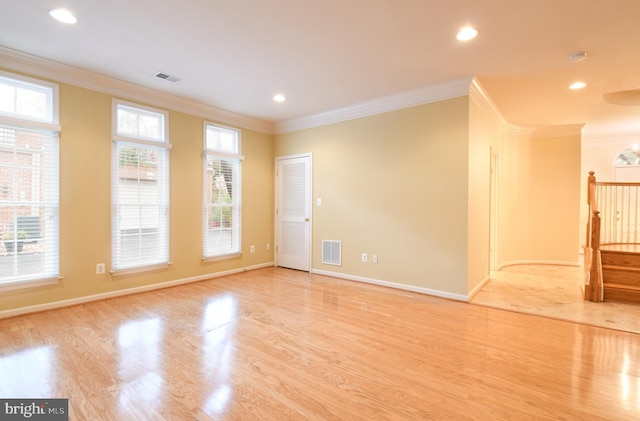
165, 76
332, 252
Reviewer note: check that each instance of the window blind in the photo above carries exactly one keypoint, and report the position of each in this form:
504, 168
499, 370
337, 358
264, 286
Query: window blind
222, 216
29, 204
140, 189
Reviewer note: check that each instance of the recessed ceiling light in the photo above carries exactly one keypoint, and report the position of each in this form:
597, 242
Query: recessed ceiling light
63, 15
467, 33
279, 98
577, 85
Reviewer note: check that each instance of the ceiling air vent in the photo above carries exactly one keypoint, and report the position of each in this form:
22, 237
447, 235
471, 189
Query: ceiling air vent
165, 76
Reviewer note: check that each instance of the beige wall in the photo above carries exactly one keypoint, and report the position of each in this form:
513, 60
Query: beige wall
598, 155
395, 185
484, 140
412, 186
536, 186
540, 198
85, 155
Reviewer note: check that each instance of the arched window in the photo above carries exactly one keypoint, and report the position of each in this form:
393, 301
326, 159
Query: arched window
630, 156
626, 166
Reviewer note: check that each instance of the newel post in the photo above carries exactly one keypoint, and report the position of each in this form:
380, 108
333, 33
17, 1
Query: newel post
592, 263
595, 271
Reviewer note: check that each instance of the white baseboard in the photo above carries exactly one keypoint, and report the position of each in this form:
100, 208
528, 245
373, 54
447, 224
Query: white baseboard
128, 291
538, 262
478, 287
427, 291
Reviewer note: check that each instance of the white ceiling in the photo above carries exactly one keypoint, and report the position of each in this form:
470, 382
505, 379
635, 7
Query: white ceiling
329, 54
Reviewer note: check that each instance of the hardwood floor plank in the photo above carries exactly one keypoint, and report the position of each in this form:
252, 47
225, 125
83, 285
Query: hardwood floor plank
278, 344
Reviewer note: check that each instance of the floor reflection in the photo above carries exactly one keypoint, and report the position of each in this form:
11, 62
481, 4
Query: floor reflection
629, 384
32, 373
219, 327
140, 367
218, 401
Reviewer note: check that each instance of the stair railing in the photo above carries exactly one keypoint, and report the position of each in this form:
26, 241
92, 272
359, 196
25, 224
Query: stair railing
613, 218
619, 206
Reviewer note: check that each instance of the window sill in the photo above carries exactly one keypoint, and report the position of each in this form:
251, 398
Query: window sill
33, 283
140, 269
222, 257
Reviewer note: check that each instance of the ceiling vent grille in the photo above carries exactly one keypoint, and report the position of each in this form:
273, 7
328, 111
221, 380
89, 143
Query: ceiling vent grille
165, 76
332, 252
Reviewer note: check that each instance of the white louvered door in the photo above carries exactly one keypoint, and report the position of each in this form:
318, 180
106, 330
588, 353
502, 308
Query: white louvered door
293, 212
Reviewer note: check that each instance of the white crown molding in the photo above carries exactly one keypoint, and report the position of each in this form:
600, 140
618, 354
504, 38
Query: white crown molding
483, 100
58, 72
427, 94
17, 61
480, 96
555, 131
545, 131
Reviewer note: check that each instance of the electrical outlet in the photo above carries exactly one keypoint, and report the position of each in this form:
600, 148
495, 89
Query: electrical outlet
100, 269
268, 246
374, 258
364, 257
252, 249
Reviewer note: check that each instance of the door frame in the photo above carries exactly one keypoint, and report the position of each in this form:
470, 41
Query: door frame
494, 207
278, 193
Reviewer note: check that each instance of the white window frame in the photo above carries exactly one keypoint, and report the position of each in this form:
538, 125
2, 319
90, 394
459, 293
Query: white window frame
49, 242
51, 120
235, 229
160, 145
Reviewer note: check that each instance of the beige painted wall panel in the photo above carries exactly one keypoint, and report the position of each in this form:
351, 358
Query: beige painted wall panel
599, 155
556, 198
513, 223
541, 180
394, 185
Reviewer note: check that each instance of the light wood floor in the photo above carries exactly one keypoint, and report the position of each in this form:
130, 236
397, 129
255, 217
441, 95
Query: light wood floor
277, 344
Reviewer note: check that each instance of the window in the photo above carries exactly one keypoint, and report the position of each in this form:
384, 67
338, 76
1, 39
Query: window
222, 192
29, 181
628, 157
28, 99
140, 188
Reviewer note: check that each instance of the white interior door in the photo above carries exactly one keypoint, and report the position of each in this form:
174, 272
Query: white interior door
293, 212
